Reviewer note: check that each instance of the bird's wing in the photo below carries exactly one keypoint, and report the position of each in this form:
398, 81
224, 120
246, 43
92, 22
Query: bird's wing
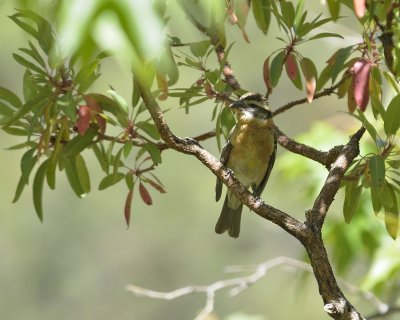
271, 162
226, 151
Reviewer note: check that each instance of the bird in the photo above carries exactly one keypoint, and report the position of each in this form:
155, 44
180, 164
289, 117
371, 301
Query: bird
249, 153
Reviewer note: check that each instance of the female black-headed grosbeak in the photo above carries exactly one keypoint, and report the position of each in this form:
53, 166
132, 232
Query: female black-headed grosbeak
250, 153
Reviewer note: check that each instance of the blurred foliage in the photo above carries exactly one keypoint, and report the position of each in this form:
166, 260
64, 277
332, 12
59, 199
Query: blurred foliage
58, 116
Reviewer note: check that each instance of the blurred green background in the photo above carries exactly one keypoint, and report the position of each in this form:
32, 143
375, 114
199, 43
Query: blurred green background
76, 264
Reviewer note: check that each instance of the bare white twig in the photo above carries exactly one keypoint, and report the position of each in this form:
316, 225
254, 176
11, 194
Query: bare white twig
239, 284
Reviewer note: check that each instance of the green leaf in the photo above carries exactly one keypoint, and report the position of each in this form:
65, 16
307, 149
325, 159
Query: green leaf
83, 173
376, 201
391, 212
334, 8
324, 77
5, 110
199, 49
110, 180
149, 128
326, 35
20, 188
288, 13
154, 152
127, 148
38, 183
370, 128
392, 116
78, 144
36, 103
99, 151
376, 167
276, 68
71, 171
10, 97
135, 94
28, 161
339, 59
300, 15
29, 86
262, 14
26, 63
351, 200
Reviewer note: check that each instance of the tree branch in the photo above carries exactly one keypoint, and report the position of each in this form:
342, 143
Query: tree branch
190, 146
239, 284
309, 233
323, 93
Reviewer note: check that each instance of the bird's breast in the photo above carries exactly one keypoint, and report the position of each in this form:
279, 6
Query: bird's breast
252, 149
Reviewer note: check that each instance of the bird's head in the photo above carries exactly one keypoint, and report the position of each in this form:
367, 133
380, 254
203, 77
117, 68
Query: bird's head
252, 107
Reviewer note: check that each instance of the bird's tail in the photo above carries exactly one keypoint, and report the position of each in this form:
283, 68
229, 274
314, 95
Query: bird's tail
229, 220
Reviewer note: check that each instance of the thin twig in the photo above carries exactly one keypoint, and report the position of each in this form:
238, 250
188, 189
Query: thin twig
239, 284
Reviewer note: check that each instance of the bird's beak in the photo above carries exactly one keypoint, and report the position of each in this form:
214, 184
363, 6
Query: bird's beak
237, 104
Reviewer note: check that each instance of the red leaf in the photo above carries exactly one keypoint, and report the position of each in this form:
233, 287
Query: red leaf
267, 78
291, 67
157, 186
145, 195
310, 74
127, 209
361, 69
359, 8
83, 121
92, 103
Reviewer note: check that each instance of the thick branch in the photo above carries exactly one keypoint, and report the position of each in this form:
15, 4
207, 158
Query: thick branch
190, 146
309, 233
324, 157
332, 183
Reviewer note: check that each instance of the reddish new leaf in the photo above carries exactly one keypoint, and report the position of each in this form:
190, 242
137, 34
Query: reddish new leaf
361, 70
291, 66
84, 115
95, 110
127, 209
359, 8
266, 75
310, 74
144, 194
157, 186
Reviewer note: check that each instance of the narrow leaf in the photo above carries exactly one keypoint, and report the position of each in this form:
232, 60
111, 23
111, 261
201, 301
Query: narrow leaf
83, 173
351, 200
376, 166
262, 14
73, 177
376, 201
38, 183
391, 213
127, 208
326, 35
351, 100
154, 152
78, 144
266, 75
291, 66
359, 8
361, 71
150, 129
145, 195
110, 180
28, 161
83, 122
310, 74
20, 188
392, 116
276, 68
